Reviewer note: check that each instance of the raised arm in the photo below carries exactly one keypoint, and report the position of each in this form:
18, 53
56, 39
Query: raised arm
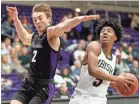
58, 30
21, 31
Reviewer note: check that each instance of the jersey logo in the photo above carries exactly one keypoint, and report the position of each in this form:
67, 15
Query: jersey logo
36, 45
105, 66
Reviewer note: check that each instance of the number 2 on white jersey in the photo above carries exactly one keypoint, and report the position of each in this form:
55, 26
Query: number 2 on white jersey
34, 55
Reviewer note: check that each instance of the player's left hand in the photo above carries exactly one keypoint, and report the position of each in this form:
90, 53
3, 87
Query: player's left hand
113, 84
90, 17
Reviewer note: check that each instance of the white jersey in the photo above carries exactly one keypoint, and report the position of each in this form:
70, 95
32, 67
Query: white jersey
92, 85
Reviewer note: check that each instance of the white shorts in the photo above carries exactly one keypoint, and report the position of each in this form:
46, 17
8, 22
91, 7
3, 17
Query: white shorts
86, 99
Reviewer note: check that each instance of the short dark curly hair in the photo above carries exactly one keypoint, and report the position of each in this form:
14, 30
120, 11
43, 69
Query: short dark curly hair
112, 23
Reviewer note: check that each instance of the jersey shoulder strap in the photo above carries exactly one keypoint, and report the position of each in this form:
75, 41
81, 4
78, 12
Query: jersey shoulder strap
34, 33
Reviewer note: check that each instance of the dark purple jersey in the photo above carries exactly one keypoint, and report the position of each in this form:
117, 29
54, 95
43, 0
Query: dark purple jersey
44, 59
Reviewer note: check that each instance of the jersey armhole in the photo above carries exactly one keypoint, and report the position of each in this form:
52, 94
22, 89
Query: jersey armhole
100, 52
60, 43
33, 34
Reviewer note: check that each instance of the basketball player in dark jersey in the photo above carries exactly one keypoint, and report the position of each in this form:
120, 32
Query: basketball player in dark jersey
38, 87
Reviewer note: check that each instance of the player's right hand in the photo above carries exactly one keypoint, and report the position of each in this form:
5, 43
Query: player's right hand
13, 12
124, 82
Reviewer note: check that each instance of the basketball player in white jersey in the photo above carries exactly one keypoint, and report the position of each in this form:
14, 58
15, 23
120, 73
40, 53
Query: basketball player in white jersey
98, 67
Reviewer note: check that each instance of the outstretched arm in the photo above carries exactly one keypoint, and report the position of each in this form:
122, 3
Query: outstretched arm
21, 31
58, 30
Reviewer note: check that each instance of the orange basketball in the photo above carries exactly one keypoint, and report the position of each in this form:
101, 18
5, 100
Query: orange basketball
134, 89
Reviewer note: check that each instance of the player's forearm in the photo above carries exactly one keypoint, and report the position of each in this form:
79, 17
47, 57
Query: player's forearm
67, 24
98, 73
70, 23
59, 29
21, 31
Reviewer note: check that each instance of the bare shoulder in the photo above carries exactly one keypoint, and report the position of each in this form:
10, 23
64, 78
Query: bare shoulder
53, 41
94, 46
49, 31
53, 31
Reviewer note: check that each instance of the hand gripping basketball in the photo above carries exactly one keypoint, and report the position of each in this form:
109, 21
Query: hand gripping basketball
122, 90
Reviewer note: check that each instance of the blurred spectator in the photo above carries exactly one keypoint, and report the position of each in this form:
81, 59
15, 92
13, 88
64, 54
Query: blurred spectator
16, 42
74, 45
89, 38
135, 49
7, 43
58, 79
63, 92
64, 41
88, 26
6, 83
126, 21
135, 68
71, 47
18, 48
67, 77
75, 14
76, 68
129, 61
6, 18
24, 57
80, 58
137, 56
67, 16
5, 67
4, 50
16, 65
121, 66
124, 46
7, 26
79, 52
77, 29
119, 51
26, 24
135, 22
86, 29
132, 43
130, 51
83, 43
13, 53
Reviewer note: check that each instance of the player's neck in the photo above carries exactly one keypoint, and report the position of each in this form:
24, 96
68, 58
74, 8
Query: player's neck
107, 50
40, 33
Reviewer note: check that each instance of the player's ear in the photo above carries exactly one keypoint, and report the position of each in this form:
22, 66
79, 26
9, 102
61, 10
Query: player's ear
115, 38
50, 20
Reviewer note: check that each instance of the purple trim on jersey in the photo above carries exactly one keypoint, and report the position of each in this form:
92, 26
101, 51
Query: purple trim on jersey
53, 63
51, 91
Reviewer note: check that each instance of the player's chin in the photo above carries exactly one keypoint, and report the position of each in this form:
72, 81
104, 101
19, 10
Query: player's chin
104, 42
41, 29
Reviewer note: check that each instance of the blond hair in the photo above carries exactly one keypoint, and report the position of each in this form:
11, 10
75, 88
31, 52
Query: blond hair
43, 8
